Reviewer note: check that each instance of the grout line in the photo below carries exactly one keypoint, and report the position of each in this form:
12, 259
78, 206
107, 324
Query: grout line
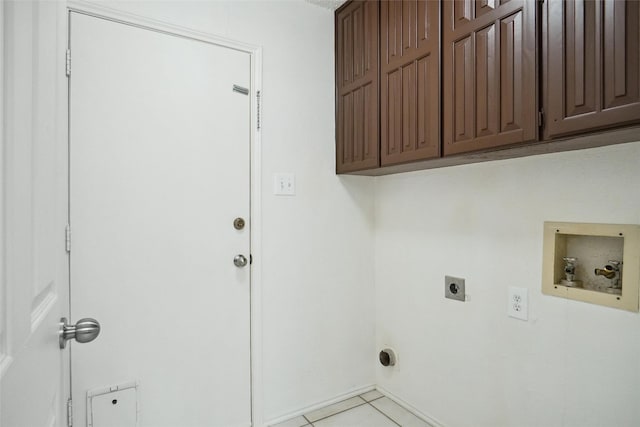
364, 402
394, 421
307, 420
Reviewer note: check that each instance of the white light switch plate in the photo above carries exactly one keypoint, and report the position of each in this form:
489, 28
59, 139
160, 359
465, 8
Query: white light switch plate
284, 184
518, 304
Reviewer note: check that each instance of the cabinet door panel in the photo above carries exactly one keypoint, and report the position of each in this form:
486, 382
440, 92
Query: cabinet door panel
463, 89
391, 125
357, 101
357, 127
486, 87
580, 51
409, 107
489, 74
410, 76
621, 41
592, 77
428, 116
484, 6
346, 127
511, 73
461, 12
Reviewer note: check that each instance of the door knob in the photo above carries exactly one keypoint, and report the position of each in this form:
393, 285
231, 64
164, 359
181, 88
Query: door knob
85, 330
240, 260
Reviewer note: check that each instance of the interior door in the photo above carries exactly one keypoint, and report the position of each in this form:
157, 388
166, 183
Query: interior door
34, 266
159, 171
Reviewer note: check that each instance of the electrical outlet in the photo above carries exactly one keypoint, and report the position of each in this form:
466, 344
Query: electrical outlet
518, 306
454, 288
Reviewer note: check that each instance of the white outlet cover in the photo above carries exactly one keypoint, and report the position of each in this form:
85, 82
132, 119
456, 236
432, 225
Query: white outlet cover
518, 303
284, 184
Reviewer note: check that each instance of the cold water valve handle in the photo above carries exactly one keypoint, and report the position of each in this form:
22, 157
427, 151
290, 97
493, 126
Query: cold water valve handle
610, 271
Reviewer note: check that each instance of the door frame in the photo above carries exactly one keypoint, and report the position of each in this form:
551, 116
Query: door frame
255, 169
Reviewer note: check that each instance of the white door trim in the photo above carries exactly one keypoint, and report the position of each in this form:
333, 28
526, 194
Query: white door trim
255, 53
5, 359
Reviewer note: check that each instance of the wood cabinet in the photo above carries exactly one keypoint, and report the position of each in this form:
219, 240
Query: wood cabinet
409, 73
431, 83
489, 74
357, 81
592, 73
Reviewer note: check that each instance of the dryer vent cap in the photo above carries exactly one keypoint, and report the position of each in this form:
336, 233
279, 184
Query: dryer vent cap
387, 357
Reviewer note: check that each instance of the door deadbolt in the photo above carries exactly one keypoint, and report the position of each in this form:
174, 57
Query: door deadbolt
238, 223
85, 330
240, 260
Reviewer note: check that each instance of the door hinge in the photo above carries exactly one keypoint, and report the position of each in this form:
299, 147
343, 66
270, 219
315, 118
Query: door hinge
67, 238
540, 118
68, 62
69, 413
259, 101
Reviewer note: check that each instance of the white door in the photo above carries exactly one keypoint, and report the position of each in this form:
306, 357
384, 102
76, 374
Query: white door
34, 267
159, 170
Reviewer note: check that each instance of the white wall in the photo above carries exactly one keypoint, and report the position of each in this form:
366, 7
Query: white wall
468, 364
317, 277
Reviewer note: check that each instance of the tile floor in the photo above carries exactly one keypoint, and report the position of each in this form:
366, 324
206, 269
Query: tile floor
371, 409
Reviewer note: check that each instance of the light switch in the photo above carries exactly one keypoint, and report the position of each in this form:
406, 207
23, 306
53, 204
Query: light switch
284, 184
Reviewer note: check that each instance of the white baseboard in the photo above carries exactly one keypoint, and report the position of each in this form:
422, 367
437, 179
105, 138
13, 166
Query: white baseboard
347, 395
356, 392
431, 420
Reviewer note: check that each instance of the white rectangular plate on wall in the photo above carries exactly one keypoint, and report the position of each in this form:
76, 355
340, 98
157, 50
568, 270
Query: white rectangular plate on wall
115, 405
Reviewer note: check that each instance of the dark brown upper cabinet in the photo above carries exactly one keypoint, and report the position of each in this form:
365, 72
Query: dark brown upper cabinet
409, 87
592, 73
433, 83
357, 101
489, 74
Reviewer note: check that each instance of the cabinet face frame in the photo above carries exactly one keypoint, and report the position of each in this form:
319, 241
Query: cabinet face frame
357, 86
590, 83
490, 74
553, 250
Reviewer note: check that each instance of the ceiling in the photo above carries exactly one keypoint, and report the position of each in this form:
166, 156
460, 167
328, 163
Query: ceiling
327, 4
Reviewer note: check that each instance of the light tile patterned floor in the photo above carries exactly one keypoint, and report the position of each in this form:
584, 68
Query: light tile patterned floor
371, 409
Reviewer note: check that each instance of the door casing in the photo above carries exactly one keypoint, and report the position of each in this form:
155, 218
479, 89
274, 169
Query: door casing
255, 53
